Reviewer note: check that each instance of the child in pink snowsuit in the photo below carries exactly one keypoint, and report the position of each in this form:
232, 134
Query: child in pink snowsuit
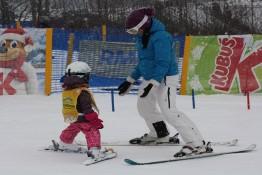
79, 108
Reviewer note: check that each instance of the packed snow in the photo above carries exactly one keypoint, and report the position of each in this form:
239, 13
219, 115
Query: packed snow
28, 123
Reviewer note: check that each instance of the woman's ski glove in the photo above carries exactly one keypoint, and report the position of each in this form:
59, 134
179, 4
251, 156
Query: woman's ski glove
151, 84
147, 90
124, 88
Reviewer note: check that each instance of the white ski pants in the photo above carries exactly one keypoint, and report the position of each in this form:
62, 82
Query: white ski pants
160, 105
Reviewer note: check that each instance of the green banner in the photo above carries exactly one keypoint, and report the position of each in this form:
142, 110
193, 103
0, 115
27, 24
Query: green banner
225, 64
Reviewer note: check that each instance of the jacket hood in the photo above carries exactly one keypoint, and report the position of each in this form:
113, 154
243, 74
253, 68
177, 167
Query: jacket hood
157, 26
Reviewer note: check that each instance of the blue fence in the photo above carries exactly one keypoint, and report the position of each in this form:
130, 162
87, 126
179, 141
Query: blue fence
60, 45
60, 37
13, 24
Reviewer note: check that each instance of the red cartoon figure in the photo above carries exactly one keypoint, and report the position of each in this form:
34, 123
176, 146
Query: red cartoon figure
16, 75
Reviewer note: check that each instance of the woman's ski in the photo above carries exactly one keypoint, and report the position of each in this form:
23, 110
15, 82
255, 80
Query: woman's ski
232, 142
204, 155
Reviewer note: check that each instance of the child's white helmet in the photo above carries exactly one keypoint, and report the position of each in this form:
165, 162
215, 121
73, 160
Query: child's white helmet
78, 68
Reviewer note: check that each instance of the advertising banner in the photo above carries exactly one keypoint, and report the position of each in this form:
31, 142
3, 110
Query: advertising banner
22, 60
224, 64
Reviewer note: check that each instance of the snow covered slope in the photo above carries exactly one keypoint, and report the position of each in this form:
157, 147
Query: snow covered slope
28, 123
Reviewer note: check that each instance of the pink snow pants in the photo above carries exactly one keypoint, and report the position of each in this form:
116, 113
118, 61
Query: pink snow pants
92, 134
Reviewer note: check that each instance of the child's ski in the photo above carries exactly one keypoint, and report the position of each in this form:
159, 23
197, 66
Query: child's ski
55, 147
108, 154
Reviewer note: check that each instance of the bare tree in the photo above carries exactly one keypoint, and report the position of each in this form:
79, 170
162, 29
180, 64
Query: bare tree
180, 16
6, 14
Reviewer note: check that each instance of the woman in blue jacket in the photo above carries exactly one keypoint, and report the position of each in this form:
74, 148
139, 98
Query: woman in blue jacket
158, 68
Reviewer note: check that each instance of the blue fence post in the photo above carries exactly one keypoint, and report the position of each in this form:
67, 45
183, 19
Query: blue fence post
113, 100
193, 99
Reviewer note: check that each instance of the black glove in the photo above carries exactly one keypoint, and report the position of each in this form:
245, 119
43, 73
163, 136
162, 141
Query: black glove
146, 90
124, 87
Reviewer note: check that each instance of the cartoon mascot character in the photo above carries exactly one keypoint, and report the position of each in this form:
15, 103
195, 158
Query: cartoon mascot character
16, 75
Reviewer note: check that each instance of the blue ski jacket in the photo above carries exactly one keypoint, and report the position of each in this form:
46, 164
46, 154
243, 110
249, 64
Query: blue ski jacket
158, 59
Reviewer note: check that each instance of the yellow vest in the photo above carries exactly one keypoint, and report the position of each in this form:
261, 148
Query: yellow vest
69, 99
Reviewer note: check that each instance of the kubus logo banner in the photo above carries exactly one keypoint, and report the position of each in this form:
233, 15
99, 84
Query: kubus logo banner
227, 64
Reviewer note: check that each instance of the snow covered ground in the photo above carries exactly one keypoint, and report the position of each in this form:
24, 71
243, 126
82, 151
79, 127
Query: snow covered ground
28, 123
